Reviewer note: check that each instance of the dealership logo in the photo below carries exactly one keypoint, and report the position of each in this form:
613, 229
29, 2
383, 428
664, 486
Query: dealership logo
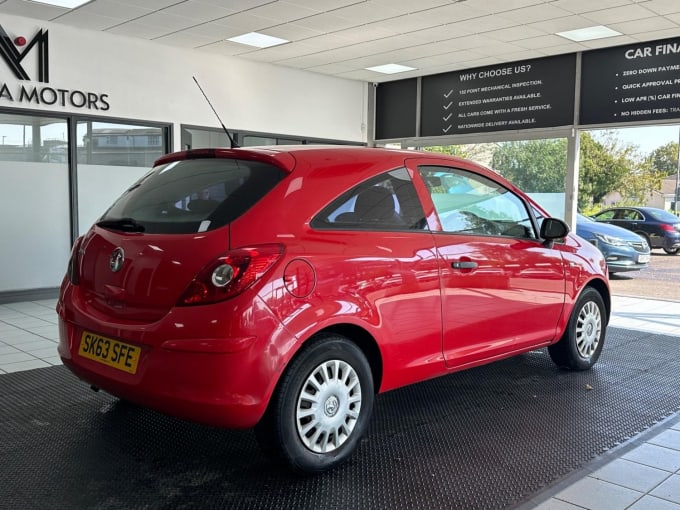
44, 95
14, 58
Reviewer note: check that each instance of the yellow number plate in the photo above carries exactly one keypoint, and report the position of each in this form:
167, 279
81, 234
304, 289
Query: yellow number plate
109, 352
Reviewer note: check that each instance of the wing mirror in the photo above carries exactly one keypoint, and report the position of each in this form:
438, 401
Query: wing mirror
553, 228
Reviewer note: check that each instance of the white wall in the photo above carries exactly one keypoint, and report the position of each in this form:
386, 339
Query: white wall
148, 81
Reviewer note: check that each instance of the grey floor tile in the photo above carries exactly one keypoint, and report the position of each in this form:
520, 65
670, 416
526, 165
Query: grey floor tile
7, 349
52, 360
6, 313
23, 365
51, 331
23, 337
15, 357
27, 322
669, 490
38, 344
668, 438
47, 352
651, 503
556, 504
4, 327
631, 474
655, 456
599, 495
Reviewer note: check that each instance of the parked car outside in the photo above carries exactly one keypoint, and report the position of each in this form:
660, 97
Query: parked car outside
659, 228
622, 249
318, 278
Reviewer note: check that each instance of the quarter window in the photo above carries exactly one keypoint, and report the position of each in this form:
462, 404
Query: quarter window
467, 203
386, 202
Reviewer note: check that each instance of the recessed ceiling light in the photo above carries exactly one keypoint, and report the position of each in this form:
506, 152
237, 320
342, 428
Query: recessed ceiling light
68, 4
589, 33
258, 40
391, 69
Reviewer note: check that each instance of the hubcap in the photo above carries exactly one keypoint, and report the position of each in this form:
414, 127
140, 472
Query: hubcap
328, 406
588, 329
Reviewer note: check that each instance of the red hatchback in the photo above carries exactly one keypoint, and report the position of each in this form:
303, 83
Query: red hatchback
282, 288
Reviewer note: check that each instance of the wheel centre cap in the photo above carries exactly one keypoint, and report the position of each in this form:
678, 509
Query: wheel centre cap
331, 406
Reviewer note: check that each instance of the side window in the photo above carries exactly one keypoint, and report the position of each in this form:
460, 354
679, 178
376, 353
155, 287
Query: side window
605, 216
386, 202
467, 203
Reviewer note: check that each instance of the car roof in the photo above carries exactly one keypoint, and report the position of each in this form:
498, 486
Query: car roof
288, 157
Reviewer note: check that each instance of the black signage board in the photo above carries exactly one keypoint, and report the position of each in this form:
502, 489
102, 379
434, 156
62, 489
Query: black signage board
395, 109
631, 83
535, 93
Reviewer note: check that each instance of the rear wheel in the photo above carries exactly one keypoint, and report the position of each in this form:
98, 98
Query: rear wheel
674, 251
321, 407
582, 342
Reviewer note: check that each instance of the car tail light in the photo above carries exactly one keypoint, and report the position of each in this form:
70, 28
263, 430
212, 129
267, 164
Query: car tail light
667, 227
230, 274
73, 268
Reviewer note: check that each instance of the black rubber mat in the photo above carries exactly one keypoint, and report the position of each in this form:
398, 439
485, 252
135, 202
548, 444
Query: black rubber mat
491, 437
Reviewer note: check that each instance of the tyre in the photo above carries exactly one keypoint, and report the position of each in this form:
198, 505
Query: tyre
674, 251
582, 342
321, 407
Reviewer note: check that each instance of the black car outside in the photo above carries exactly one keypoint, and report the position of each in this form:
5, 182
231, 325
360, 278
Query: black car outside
659, 228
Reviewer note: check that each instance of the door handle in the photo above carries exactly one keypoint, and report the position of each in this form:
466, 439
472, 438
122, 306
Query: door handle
464, 265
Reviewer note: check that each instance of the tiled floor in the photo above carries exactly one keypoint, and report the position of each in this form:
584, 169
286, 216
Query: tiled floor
643, 475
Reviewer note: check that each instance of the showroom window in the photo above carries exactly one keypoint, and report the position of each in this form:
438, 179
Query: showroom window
34, 197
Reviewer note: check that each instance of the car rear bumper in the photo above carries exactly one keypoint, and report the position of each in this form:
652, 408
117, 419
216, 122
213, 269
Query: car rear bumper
217, 381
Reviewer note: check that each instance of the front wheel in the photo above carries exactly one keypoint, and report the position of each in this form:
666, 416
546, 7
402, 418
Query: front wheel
321, 407
582, 342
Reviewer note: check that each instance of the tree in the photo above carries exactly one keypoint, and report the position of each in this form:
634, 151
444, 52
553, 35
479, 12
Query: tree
535, 166
608, 165
664, 159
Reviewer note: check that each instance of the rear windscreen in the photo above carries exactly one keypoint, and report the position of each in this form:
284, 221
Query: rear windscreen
193, 195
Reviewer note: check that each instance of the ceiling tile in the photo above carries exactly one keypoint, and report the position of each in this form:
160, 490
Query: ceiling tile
136, 29
246, 22
663, 6
452, 13
644, 25
283, 12
84, 19
113, 10
618, 14
535, 13
562, 24
516, 33
198, 11
364, 33
326, 22
581, 6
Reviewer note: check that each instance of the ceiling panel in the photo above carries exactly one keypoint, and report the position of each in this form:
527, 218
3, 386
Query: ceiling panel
341, 37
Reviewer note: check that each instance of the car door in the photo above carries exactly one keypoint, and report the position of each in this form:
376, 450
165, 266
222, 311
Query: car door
502, 290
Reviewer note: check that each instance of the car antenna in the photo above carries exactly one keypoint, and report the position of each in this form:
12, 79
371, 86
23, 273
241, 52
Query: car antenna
234, 145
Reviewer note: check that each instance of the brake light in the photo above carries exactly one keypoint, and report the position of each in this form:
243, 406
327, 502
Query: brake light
73, 268
667, 227
230, 274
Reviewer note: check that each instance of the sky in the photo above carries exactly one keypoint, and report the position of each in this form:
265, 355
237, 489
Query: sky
648, 138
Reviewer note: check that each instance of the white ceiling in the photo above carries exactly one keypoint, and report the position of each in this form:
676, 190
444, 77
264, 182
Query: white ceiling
343, 37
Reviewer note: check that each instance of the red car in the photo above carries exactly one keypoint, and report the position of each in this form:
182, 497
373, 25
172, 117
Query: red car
282, 288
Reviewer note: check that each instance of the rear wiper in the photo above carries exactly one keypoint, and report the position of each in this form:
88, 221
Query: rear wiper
124, 224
